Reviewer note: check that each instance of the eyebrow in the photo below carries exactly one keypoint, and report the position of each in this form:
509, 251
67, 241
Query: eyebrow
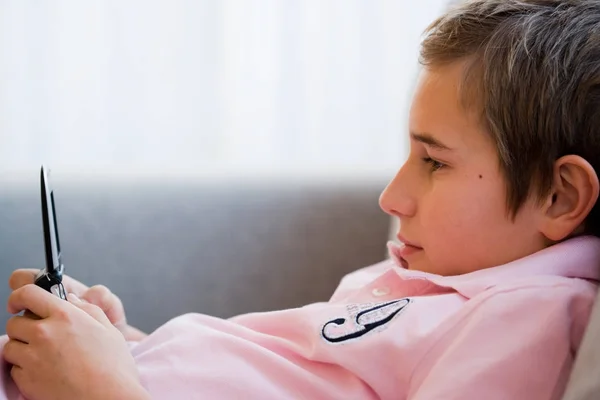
430, 140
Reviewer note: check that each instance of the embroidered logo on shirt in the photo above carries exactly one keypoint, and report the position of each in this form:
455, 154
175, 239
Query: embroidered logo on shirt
364, 319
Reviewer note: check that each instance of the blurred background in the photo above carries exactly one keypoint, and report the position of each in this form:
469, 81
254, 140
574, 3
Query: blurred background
233, 144
208, 86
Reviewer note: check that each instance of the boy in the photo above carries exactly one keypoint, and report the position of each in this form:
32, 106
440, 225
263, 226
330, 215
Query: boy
487, 297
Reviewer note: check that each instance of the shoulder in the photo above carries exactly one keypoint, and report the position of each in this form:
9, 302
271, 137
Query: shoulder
539, 290
544, 292
544, 306
543, 312
507, 340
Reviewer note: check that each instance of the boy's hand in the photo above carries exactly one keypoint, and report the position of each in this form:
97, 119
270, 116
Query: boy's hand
98, 295
68, 350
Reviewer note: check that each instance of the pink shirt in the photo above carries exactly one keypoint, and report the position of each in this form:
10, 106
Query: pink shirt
508, 332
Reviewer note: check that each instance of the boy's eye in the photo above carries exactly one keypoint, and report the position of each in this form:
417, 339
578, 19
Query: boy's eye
434, 164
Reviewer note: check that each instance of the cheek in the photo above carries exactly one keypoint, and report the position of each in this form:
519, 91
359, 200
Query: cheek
457, 213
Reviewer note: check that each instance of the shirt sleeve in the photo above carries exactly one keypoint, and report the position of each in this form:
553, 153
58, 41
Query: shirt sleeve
516, 344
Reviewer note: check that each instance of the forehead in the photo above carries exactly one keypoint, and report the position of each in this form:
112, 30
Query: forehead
438, 108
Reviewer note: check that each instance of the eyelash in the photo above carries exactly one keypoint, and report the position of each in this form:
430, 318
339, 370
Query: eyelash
434, 164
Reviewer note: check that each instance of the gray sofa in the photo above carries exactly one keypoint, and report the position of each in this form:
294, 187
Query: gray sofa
170, 246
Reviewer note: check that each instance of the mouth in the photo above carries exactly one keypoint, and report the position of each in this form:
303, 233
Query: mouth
407, 242
404, 251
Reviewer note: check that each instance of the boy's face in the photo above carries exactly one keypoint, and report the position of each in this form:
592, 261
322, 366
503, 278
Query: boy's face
450, 195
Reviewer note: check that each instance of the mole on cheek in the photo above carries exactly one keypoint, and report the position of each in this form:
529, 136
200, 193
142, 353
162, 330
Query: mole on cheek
480, 176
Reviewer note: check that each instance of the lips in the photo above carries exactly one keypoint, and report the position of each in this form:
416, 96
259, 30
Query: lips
407, 250
403, 252
407, 242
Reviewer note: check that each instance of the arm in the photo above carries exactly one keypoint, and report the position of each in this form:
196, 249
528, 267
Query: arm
513, 345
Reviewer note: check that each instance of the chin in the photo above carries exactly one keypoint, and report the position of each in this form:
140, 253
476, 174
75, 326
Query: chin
431, 269
422, 267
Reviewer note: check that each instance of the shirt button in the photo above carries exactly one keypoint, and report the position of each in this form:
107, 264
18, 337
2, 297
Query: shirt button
382, 291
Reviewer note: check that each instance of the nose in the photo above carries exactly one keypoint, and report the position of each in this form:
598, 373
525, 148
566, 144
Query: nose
396, 199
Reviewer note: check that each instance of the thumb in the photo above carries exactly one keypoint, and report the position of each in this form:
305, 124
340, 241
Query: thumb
90, 309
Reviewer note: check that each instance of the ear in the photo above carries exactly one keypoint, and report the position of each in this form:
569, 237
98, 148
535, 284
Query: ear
575, 189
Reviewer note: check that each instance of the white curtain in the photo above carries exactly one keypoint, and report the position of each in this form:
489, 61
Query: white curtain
242, 86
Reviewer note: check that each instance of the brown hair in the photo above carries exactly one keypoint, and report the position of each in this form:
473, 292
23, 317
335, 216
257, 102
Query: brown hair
533, 69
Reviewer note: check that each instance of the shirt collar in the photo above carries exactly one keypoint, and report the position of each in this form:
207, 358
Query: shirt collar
575, 258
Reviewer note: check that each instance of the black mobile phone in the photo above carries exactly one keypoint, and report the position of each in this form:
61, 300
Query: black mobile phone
50, 278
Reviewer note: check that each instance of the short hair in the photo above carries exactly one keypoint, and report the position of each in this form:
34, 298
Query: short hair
533, 75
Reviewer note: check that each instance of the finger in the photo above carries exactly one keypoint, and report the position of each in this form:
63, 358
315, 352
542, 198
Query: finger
15, 352
91, 309
21, 277
20, 328
73, 286
112, 306
30, 315
34, 299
